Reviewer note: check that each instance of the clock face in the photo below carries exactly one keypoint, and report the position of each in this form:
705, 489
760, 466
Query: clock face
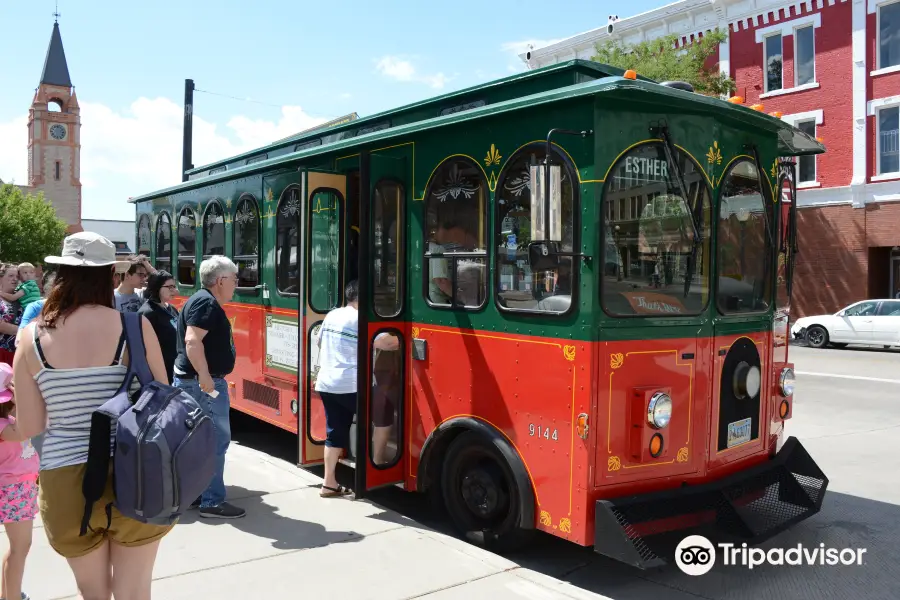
57, 131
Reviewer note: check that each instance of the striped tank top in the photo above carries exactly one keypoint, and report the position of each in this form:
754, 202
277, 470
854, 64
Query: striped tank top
71, 396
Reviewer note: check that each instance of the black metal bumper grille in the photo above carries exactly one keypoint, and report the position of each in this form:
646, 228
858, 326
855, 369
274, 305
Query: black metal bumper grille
750, 506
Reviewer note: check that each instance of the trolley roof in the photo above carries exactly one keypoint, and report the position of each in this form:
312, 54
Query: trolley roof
614, 87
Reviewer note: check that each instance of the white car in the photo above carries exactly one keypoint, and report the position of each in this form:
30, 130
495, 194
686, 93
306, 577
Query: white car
869, 322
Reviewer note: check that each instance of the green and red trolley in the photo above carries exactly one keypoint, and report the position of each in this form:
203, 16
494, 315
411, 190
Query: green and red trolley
590, 276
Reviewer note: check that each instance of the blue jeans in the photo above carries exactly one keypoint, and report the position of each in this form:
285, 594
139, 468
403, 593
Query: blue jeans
218, 409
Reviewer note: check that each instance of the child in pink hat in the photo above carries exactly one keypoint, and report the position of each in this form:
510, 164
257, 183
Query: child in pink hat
19, 465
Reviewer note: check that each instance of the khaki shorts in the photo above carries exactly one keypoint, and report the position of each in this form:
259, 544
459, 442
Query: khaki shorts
62, 507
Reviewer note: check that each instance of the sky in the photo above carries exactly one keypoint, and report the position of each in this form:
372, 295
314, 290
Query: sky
291, 66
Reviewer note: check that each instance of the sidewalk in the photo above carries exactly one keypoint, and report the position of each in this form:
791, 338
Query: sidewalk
294, 543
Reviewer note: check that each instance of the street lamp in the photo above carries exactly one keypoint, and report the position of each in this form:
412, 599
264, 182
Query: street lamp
618, 255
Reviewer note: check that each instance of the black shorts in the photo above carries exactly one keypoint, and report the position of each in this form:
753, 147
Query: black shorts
383, 406
339, 412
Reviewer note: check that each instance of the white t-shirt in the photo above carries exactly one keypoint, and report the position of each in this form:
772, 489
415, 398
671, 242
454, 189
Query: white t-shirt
337, 351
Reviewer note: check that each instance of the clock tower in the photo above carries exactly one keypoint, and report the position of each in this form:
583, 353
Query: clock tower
54, 137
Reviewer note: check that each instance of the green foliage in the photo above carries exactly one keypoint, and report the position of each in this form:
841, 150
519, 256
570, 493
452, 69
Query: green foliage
660, 60
29, 227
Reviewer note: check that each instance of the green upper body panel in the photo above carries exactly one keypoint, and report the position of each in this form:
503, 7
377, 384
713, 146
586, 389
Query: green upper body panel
620, 113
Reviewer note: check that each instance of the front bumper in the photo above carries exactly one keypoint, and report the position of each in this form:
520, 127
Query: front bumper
748, 506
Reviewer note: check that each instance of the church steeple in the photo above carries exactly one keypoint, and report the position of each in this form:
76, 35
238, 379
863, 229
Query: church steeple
56, 71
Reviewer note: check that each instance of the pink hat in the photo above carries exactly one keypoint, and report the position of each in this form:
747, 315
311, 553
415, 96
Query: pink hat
6, 375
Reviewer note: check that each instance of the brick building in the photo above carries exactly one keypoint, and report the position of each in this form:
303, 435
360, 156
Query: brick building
54, 137
831, 68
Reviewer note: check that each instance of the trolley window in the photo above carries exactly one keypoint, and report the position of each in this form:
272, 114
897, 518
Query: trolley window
143, 235
325, 250
287, 223
456, 232
245, 243
387, 249
187, 247
518, 288
744, 256
164, 242
649, 236
213, 230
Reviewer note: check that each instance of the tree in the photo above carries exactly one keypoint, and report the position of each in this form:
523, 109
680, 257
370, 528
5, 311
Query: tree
29, 227
660, 60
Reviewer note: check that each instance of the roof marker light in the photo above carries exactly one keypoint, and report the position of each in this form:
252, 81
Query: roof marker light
758, 107
630, 74
736, 99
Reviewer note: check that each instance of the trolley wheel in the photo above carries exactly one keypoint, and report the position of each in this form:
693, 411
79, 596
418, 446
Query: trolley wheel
841, 345
816, 336
481, 495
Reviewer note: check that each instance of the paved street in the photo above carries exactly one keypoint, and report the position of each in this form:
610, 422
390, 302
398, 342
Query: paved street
392, 547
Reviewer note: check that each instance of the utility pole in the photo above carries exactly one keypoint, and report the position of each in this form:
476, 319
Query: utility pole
187, 140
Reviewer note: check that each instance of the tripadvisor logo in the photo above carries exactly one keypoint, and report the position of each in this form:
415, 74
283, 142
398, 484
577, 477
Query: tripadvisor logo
696, 555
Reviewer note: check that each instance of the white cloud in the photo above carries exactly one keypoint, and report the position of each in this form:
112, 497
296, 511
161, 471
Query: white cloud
400, 69
138, 150
345, 96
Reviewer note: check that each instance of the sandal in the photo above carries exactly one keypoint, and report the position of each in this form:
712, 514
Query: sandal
334, 492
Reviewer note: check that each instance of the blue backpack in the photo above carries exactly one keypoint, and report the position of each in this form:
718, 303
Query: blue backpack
163, 448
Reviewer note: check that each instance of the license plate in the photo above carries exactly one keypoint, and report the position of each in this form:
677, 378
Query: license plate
739, 432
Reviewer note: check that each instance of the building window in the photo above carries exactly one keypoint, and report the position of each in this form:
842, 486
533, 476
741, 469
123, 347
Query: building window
57, 169
773, 62
889, 35
806, 165
246, 242
888, 134
804, 55
187, 247
456, 234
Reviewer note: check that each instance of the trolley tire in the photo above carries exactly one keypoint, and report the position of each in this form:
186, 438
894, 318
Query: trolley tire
474, 461
817, 336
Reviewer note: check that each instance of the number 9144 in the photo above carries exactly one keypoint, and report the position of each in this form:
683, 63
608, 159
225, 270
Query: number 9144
544, 432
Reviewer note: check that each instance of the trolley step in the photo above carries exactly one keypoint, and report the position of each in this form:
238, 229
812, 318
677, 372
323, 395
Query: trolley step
749, 507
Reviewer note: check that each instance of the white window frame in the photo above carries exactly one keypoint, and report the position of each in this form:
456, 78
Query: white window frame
817, 116
874, 6
766, 61
877, 115
814, 181
796, 46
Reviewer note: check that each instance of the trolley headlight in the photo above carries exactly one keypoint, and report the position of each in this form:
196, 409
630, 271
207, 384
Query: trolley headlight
786, 382
659, 411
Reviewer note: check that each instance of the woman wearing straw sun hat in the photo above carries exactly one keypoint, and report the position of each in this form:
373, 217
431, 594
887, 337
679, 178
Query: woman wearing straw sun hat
70, 361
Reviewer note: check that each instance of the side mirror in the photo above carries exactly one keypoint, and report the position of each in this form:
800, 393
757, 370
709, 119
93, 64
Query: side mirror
546, 204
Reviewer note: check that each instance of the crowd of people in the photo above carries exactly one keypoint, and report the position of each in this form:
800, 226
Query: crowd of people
52, 381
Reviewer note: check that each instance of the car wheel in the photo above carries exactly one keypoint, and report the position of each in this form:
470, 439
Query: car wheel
816, 336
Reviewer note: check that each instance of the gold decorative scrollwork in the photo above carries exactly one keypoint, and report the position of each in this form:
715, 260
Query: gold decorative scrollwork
613, 463
682, 455
493, 157
268, 320
415, 332
616, 360
714, 154
270, 195
569, 352
545, 518
565, 525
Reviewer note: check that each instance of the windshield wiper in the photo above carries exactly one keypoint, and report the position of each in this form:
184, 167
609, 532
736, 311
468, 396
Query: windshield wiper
766, 201
663, 130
